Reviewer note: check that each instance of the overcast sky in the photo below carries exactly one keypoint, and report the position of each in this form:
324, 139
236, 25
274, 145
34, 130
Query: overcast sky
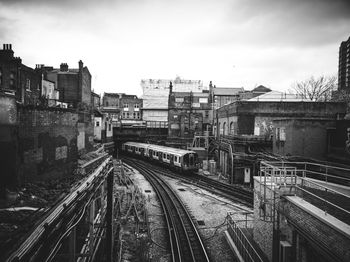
234, 43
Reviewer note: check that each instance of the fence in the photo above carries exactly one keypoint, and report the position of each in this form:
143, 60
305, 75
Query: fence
239, 231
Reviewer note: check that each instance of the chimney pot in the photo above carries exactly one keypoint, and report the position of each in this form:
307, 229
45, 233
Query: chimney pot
64, 67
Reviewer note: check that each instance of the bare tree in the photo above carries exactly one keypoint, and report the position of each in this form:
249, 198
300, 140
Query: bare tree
316, 89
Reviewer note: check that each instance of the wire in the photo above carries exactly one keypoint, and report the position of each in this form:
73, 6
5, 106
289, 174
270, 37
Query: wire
54, 250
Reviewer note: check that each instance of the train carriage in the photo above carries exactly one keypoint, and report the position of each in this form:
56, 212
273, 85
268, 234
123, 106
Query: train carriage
179, 159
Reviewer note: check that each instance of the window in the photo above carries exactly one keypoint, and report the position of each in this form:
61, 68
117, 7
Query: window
179, 99
127, 115
28, 84
136, 105
97, 123
126, 107
109, 127
203, 100
134, 115
206, 114
12, 79
231, 128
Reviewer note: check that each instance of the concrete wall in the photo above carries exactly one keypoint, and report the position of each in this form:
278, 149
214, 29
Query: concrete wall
256, 118
302, 137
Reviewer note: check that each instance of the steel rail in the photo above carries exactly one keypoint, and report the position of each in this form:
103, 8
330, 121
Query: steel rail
228, 191
192, 248
54, 214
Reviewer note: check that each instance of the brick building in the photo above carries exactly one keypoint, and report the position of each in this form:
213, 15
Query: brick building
283, 128
189, 113
18, 78
73, 84
344, 66
224, 95
122, 108
95, 100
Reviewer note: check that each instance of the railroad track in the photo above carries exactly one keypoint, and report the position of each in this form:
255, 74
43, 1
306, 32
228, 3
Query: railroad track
185, 242
231, 192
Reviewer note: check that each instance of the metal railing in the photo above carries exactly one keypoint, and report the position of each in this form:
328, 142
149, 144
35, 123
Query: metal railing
244, 244
294, 176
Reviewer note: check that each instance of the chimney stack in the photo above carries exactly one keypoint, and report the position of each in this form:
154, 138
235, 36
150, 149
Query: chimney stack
64, 67
7, 47
80, 65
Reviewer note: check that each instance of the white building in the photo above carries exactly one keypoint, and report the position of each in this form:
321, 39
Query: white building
156, 95
49, 92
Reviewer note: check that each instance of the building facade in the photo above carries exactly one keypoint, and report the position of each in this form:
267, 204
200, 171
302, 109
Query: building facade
95, 100
18, 79
155, 97
296, 127
73, 84
344, 66
189, 113
123, 109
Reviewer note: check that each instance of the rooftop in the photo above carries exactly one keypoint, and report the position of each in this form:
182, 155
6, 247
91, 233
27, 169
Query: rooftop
222, 91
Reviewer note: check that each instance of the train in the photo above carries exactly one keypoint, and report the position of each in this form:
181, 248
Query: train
181, 160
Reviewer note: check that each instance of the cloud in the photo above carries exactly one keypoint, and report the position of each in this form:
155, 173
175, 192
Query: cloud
5, 24
287, 23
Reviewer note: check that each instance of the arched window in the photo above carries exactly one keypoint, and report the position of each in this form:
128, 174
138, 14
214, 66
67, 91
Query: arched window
232, 131
220, 130
224, 128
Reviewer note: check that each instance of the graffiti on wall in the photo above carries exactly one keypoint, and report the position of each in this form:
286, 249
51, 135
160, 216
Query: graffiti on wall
61, 152
263, 128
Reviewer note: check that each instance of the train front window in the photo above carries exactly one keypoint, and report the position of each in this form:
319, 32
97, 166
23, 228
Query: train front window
191, 160
186, 159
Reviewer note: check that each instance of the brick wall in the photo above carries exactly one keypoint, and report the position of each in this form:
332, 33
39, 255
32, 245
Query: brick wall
47, 141
318, 233
68, 87
86, 87
8, 143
